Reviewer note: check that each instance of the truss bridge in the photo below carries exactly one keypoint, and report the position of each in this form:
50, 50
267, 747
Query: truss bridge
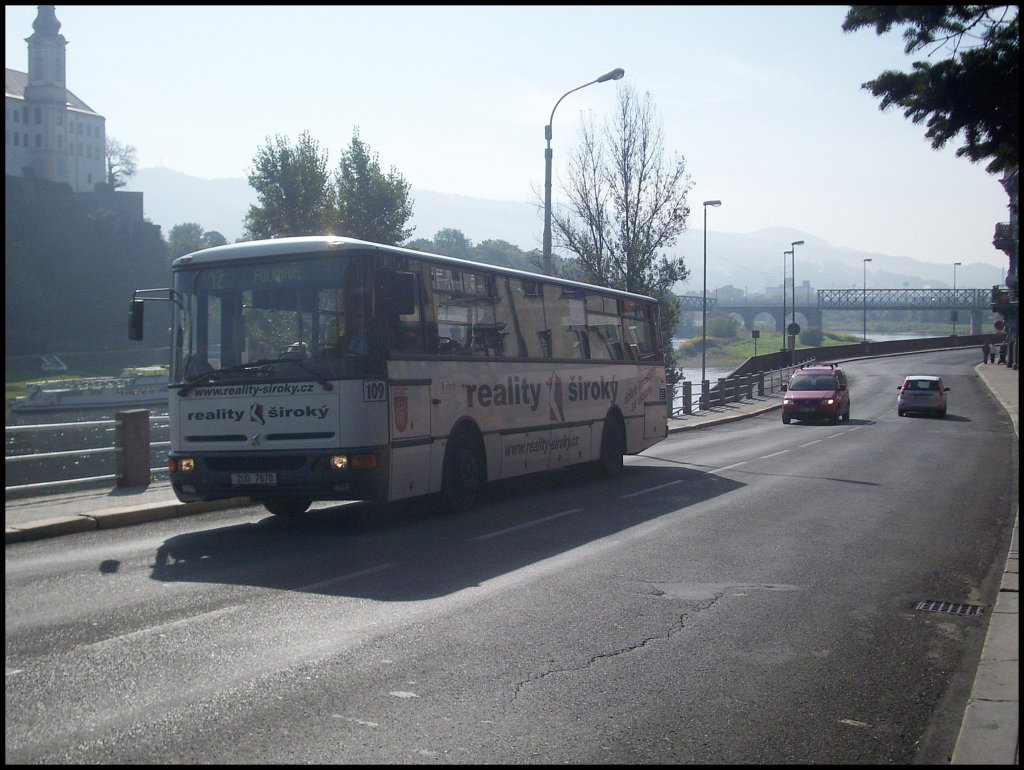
976, 302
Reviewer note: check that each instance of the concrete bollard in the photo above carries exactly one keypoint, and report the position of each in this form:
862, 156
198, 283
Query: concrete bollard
687, 395
131, 439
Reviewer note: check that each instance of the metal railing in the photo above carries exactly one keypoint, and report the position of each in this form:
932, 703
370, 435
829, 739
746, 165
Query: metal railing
43, 486
733, 388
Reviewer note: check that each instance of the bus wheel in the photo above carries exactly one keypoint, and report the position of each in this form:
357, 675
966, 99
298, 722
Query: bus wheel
464, 473
613, 447
287, 507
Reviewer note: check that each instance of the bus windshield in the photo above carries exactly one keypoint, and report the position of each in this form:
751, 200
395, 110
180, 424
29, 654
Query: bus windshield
284, 319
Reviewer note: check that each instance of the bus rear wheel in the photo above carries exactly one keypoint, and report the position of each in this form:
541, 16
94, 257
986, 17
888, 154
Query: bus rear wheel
464, 473
613, 447
287, 507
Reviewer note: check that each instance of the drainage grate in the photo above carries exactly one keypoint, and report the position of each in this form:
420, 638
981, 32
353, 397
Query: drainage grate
949, 607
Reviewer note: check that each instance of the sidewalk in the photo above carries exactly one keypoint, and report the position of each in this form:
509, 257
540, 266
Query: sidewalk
991, 724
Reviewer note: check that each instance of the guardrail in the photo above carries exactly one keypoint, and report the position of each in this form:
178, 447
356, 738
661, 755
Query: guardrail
132, 449
733, 388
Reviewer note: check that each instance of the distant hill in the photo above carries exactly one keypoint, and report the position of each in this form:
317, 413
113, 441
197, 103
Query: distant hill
748, 261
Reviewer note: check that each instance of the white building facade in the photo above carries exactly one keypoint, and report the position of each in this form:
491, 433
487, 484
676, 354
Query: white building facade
49, 133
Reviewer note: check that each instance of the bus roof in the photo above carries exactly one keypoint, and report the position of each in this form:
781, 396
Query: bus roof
316, 244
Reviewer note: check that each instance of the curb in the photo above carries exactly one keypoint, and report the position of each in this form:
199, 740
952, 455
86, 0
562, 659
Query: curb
114, 517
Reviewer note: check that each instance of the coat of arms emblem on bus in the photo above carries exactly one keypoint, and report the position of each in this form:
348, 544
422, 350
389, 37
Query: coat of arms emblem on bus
401, 411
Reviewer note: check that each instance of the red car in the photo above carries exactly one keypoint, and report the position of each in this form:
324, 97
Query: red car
816, 393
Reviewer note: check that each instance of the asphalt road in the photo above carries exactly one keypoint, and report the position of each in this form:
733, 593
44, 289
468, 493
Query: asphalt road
739, 595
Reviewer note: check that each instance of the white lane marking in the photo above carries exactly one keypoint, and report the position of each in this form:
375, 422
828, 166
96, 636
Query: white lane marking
773, 454
528, 524
809, 443
163, 628
734, 465
650, 489
343, 578
363, 722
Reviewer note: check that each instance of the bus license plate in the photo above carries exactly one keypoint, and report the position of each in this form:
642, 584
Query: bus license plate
248, 479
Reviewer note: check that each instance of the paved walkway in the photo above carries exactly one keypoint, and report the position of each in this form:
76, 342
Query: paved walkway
990, 729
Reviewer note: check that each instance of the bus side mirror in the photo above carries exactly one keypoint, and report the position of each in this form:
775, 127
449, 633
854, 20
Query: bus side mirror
399, 293
135, 320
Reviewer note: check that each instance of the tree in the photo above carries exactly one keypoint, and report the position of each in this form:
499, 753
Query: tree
723, 326
973, 92
184, 239
213, 238
365, 202
627, 204
189, 236
292, 189
121, 165
453, 243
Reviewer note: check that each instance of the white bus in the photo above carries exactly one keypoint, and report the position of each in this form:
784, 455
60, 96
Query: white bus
328, 368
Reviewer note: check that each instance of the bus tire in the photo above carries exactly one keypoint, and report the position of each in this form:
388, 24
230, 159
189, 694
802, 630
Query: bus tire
464, 471
613, 447
287, 507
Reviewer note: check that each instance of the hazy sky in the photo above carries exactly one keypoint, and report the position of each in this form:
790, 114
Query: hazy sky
764, 103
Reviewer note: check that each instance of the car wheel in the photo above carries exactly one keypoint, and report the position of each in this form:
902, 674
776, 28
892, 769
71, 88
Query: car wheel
846, 415
900, 412
942, 413
785, 420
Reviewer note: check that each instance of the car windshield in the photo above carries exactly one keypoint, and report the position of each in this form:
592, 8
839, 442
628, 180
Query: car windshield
813, 382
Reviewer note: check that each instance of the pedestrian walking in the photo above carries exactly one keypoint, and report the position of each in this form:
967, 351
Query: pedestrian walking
1002, 353
985, 350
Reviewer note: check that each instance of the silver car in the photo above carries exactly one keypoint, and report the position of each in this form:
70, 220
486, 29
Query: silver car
922, 393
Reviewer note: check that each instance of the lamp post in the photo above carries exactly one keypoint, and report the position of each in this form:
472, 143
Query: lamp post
866, 260
955, 265
615, 74
792, 255
785, 347
704, 303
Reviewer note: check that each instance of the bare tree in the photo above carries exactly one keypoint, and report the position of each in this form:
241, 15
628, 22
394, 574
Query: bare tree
627, 202
121, 164
627, 205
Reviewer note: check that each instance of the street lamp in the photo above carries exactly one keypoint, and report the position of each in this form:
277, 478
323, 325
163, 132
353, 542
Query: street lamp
955, 264
785, 347
866, 260
704, 304
792, 254
615, 74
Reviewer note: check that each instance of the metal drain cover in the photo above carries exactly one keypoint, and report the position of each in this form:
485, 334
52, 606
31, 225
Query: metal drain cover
951, 608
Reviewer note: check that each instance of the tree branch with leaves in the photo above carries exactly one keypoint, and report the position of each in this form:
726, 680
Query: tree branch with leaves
973, 93
291, 185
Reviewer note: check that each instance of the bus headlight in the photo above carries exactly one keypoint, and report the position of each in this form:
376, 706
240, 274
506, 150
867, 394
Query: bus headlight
345, 462
182, 464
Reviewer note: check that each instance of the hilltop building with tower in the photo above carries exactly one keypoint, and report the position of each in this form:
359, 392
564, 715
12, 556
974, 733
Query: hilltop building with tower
50, 134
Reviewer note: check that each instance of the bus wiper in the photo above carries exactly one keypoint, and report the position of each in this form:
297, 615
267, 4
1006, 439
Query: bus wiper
216, 374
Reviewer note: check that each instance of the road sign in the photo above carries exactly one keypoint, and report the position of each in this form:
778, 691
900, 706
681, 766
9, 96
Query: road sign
793, 328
